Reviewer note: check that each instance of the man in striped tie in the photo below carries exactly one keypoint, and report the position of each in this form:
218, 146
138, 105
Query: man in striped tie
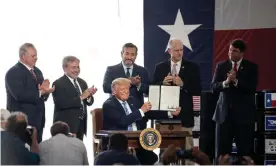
121, 112
72, 96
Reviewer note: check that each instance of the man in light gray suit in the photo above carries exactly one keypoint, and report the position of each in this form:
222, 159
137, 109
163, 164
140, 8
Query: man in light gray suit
62, 149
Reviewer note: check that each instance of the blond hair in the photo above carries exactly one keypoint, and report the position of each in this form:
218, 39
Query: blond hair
120, 81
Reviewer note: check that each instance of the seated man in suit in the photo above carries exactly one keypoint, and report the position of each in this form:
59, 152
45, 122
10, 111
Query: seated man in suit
117, 153
121, 113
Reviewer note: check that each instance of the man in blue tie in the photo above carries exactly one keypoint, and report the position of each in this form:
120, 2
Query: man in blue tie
121, 112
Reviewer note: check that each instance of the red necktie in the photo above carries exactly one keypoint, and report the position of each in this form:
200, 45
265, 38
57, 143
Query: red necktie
33, 73
235, 68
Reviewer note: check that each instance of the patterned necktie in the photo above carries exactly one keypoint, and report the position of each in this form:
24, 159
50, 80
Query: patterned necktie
33, 73
129, 128
235, 67
79, 93
174, 71
127, 72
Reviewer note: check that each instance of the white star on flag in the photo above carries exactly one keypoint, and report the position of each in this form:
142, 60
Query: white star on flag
179, 30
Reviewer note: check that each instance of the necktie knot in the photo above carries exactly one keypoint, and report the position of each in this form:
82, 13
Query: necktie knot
174, 65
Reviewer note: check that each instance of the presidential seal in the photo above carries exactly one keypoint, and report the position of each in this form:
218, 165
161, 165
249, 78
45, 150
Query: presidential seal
150, 139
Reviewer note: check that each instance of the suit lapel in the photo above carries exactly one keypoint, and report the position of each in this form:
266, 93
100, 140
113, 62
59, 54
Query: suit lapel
28, 73
70, 85
121, 70
119, 105
182, 68
134, 71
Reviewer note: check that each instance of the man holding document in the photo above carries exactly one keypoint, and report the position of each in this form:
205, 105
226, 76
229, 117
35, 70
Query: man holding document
185, 76
120, 112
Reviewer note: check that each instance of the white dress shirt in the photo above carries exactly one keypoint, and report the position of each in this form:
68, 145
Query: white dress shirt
130, 69
134, 126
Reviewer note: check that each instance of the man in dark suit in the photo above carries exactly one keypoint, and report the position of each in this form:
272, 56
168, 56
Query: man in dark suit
236, 80
120, 112
26, 88
180, 72
71, 97
128, 69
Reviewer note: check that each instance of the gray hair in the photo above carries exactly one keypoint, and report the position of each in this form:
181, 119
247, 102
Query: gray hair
120, 81
4, 115
24, 47
68, 59
171, 42
17, 114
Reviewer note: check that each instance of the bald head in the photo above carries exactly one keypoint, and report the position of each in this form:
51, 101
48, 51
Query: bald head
17, 122
176, 49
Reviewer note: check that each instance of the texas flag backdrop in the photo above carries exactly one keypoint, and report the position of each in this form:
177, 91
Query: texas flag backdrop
270, 100
206, 28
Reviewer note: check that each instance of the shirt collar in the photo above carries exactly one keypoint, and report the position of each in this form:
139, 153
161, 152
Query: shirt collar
26, 65
120, 100
178, 63
125, 67
71, 79
238, 63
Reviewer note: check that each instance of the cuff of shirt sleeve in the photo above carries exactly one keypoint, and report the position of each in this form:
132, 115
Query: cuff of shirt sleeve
236, 82
170, 114
142, 113
224, 85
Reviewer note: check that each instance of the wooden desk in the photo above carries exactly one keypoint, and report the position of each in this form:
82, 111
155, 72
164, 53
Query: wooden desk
168, 137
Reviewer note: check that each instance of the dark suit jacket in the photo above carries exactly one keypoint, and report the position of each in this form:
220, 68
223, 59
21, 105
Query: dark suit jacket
115, 118
241, 98
14, 152
117, 71
68, 104
189, 73
111, 157
23, 94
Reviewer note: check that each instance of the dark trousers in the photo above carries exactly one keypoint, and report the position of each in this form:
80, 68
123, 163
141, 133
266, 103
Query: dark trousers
81, 130
242, 134
39, 135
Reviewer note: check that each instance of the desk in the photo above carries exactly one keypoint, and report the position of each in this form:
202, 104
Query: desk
168, 137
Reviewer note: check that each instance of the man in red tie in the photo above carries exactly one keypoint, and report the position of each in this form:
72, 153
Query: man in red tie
26, 88
236, 81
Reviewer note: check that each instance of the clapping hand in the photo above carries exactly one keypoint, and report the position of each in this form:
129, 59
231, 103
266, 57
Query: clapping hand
45, 87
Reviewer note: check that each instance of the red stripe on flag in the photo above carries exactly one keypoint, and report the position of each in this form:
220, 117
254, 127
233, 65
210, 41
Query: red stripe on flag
273, 104
196, 103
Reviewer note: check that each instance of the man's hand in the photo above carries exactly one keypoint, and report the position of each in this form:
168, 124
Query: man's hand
146, 107
168, 79
175, 113
232, 75
34, 146
92, 90
85, 94
45, 87
135, 80
178, 81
